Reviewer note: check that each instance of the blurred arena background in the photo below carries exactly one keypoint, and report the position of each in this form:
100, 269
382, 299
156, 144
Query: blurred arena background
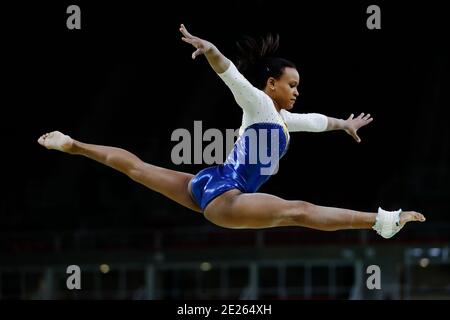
126, 79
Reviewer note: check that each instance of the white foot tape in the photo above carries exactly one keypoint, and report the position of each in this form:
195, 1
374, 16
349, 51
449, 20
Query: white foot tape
387, 223
55, 140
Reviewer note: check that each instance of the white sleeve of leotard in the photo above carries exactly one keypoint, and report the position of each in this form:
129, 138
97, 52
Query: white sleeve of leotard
246, 95
312, 122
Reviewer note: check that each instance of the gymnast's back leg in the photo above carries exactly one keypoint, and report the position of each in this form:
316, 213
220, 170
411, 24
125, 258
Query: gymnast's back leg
170, 183
234, 209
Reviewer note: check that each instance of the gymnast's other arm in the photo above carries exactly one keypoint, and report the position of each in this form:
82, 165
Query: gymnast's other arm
316, 122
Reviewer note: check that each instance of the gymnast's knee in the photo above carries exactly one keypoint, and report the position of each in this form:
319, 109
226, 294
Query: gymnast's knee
299, 211
135, 170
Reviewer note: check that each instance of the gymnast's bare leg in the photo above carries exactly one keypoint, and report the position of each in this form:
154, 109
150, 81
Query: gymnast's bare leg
234, 209
170, 183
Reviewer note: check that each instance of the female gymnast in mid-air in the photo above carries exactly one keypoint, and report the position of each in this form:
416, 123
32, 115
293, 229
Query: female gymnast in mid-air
227, 193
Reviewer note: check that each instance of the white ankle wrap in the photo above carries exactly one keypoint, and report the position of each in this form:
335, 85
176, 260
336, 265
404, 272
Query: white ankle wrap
387, 223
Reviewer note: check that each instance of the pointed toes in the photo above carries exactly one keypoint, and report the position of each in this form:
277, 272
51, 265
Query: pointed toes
41, 140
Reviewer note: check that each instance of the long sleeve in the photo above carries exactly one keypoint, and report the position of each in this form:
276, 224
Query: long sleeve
246, 95
312, 122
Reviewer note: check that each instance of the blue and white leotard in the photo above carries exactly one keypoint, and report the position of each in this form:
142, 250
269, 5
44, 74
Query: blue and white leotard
261, 117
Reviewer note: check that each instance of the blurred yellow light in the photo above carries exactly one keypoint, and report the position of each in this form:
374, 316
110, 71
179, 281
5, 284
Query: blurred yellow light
205, 266
424, 262
104, 268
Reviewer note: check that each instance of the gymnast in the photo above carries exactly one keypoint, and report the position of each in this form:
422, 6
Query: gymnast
226, 194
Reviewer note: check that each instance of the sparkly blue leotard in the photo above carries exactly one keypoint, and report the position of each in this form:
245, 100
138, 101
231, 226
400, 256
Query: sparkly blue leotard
247, 166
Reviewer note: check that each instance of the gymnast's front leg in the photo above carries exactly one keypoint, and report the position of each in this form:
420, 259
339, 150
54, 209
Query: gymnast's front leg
170, 183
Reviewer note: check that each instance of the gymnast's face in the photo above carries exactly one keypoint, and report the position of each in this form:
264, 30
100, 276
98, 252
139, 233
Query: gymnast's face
284, 89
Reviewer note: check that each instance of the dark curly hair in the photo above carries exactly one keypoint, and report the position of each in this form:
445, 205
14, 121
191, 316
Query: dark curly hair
256, 62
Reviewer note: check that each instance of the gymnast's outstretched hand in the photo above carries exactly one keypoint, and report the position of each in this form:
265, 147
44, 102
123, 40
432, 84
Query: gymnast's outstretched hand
201, 45
216, 59
353, 124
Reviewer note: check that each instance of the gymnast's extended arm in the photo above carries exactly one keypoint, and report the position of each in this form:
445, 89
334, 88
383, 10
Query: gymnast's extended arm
315, 122
246, 95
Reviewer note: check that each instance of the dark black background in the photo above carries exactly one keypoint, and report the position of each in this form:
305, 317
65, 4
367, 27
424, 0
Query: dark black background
126, 79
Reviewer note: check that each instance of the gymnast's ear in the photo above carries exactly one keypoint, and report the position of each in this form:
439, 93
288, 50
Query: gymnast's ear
270, 83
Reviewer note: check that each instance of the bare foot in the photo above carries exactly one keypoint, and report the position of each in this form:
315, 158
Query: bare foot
408, 216
56, 140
